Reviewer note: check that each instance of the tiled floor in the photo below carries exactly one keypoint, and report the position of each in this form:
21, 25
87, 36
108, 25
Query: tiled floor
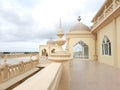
91, 75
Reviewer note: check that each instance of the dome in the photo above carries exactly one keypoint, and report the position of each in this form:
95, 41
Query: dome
51, 42
79, 26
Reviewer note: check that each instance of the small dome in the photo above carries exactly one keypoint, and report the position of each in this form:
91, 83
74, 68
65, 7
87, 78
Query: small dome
79, 26
51, 42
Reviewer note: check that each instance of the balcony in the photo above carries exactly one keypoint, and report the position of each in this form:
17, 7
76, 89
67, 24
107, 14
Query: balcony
105, 12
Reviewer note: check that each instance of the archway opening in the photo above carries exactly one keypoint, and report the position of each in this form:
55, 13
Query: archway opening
44, 52
81, 50
53, 50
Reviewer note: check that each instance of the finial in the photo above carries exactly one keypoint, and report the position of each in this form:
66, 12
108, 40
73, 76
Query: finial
79, 18
60, 31
60, 24
51, 38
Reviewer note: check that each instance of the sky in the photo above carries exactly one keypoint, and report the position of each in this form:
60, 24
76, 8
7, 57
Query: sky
26, 24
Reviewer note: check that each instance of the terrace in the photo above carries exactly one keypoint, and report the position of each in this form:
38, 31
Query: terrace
84, 75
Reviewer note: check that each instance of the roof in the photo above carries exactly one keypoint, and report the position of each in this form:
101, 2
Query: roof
50, 42
79, 27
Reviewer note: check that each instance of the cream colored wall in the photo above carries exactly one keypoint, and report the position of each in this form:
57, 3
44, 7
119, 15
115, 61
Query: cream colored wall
108, 30
118, 38
89, 41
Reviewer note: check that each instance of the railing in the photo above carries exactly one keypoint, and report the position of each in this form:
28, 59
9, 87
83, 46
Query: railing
8, 72
44, 60
106, 13
46, 79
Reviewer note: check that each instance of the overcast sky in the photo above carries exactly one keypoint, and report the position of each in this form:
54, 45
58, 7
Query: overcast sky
26, 24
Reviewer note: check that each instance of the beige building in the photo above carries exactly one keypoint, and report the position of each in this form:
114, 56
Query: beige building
106, 30
100, 42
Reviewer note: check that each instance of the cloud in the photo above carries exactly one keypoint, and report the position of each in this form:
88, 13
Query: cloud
38, 20
19, 46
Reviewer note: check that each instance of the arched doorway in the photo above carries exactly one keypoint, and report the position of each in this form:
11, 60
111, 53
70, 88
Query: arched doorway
44, 52
81, 50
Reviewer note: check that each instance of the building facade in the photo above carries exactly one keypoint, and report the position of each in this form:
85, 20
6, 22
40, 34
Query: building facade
106, 30
100, 42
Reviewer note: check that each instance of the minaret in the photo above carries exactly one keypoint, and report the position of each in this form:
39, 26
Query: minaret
63, 57
79, 18
60, 41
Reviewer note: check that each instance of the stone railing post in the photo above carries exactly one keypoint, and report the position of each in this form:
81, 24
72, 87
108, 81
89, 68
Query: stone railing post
21, 64
0, 74
5, 71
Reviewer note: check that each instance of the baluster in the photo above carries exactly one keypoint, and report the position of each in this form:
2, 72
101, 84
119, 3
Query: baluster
25, 66
9, 71
31, 62
29, 65
5, 71
12, 72
17, 68
0, 74
21, 65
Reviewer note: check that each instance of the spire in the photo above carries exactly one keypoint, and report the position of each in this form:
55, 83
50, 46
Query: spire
60, 31
60, 24
51, 38
79, 18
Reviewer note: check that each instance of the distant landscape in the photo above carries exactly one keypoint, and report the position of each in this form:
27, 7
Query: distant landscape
16, 54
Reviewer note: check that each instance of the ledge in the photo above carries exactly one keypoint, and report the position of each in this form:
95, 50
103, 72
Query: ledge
46, 79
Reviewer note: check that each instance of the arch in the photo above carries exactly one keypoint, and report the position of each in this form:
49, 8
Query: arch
81, 50
53, 50
44, 52
106, 46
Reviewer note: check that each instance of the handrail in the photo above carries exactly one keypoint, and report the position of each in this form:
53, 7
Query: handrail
46, 79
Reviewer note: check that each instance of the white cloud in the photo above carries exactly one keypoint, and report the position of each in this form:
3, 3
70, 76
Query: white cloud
38, 20
48, 12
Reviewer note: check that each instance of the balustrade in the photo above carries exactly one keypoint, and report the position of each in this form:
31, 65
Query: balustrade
48, 78
106, 12
8, 72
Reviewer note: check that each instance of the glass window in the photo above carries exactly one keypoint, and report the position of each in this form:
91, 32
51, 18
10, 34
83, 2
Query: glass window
81, 50
106, 46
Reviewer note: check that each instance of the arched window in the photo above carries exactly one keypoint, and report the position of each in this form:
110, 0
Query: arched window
53, 50
81, 50
106, 46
